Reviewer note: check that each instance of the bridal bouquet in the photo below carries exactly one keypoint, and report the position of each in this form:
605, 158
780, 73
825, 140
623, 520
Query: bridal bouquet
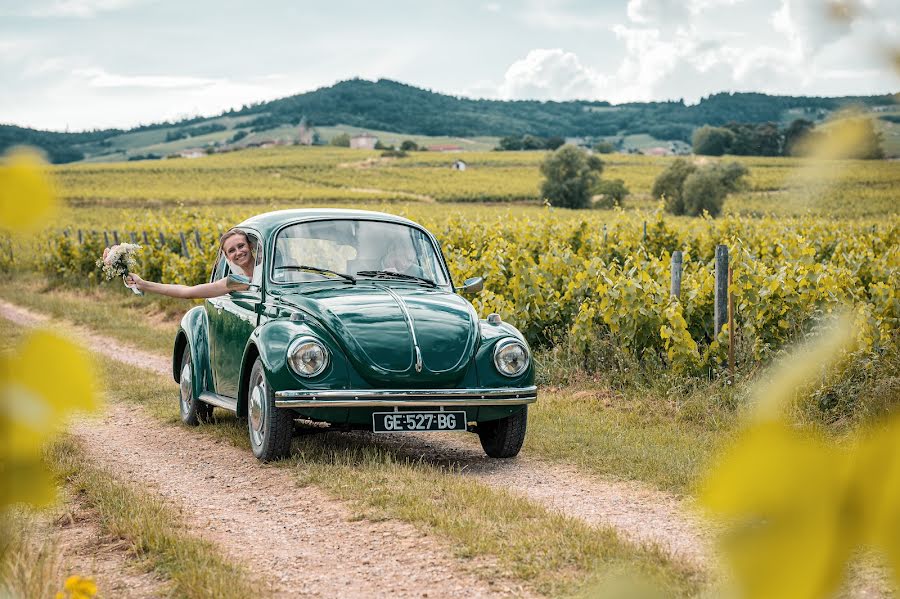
118, 261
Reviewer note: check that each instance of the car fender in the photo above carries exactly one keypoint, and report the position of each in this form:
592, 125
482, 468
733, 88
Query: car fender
193, 333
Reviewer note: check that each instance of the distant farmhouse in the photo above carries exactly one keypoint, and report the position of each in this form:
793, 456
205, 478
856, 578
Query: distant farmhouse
363, 141
192, 153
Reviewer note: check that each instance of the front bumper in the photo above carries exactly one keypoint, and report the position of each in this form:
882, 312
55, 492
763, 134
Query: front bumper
389, 398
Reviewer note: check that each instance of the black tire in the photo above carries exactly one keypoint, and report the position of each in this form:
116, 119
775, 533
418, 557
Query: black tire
270, 428
503, 438
193, 411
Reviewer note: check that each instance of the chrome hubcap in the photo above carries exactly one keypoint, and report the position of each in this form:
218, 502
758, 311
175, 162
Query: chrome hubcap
257, 411
187, 388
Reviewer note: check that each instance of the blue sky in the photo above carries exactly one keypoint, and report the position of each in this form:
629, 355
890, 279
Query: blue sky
82, 64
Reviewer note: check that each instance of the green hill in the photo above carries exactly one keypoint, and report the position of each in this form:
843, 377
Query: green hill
390, 106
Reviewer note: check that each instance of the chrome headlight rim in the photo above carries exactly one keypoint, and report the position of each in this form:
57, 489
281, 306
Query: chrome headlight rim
501, 345
295, 346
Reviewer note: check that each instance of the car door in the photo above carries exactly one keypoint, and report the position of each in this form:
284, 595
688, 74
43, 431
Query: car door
236, 316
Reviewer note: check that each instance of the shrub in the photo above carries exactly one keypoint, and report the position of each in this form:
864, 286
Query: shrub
712, 141
689, 190
570, 174
341, 140
612, 193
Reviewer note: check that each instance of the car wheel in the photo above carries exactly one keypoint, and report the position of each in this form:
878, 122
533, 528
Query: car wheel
270, 427
503, 438
193, 411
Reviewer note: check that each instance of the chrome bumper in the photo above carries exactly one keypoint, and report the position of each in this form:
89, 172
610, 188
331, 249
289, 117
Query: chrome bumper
389, 398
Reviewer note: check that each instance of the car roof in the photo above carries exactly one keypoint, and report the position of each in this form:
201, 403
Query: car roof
267, 222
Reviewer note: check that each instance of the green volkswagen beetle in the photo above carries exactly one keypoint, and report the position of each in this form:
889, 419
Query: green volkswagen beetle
351, 318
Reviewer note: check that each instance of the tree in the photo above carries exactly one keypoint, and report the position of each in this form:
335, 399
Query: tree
604, 147
669, 184
509, 144
794, 136
689, 190
703, 190
612, 193
570, 174
341, 140
712, 141
409, 145
554, 142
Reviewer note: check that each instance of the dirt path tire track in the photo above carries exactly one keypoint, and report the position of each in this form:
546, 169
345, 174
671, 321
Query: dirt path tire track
640, 514
299, 540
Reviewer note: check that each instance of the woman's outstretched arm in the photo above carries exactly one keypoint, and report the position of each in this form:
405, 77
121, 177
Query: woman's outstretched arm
201, 291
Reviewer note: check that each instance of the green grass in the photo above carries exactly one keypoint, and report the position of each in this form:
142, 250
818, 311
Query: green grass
122, 315
155, 531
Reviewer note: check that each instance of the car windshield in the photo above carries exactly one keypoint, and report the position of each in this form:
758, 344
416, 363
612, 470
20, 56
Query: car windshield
318, 250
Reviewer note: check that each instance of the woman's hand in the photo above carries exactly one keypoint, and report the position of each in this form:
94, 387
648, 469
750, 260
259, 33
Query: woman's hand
132, 280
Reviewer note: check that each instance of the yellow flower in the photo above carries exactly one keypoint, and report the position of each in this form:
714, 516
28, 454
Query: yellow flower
77, 587
42, 382
26, 194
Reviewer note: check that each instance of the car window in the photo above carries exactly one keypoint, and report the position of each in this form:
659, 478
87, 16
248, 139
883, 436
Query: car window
220, 268
353, 246
256, 279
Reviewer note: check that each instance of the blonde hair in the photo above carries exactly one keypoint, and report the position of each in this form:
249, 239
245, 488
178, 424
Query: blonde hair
231, 233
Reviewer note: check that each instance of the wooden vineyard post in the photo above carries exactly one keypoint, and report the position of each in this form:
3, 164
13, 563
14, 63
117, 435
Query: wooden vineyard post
604, 234
146, 242
676, 273
644, 238
730, 329
197, 239
721, 298
184, 247
80, 237
133, 237
162, 239
106, 238
115, 237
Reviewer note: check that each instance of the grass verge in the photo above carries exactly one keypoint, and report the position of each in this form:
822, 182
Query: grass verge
155, 532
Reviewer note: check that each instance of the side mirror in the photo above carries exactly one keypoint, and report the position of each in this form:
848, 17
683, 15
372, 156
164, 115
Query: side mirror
237, 282
472, 285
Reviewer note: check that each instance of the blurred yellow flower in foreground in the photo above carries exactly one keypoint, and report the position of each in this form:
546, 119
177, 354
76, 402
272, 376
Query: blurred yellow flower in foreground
44, 380
77, 587
46, 377
798, 506
26, 194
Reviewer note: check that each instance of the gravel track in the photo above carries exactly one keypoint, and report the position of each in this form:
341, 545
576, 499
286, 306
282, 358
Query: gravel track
639, 513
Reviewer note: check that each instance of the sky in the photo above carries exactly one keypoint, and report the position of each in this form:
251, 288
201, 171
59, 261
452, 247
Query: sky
85, 64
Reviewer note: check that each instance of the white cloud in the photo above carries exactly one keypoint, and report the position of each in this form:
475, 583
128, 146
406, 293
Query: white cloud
491, 7
97, 77
668, 12
551, 74
554, 14
76, 8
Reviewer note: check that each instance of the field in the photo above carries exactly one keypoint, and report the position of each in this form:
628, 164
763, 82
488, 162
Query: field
636, 397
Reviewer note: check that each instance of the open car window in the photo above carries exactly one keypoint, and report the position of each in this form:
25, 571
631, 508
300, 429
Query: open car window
354, 246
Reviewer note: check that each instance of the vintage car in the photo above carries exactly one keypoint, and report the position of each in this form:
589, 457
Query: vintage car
351, 318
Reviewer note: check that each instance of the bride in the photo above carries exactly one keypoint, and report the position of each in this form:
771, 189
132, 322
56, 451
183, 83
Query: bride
235, 245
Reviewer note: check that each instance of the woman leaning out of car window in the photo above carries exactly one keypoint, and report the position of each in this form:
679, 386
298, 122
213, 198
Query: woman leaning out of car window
237, 249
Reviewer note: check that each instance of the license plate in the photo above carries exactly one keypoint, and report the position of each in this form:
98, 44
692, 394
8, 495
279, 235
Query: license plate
407, 422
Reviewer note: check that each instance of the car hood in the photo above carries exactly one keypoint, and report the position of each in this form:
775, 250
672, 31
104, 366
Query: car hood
396, 334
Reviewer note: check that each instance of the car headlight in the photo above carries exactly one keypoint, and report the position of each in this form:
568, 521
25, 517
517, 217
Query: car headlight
307, 357
511, 357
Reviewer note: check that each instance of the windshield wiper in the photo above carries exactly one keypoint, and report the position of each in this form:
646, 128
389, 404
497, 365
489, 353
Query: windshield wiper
395, 275
324, 271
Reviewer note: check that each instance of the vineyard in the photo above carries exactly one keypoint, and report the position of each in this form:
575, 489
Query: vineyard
592, 284
786, 187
